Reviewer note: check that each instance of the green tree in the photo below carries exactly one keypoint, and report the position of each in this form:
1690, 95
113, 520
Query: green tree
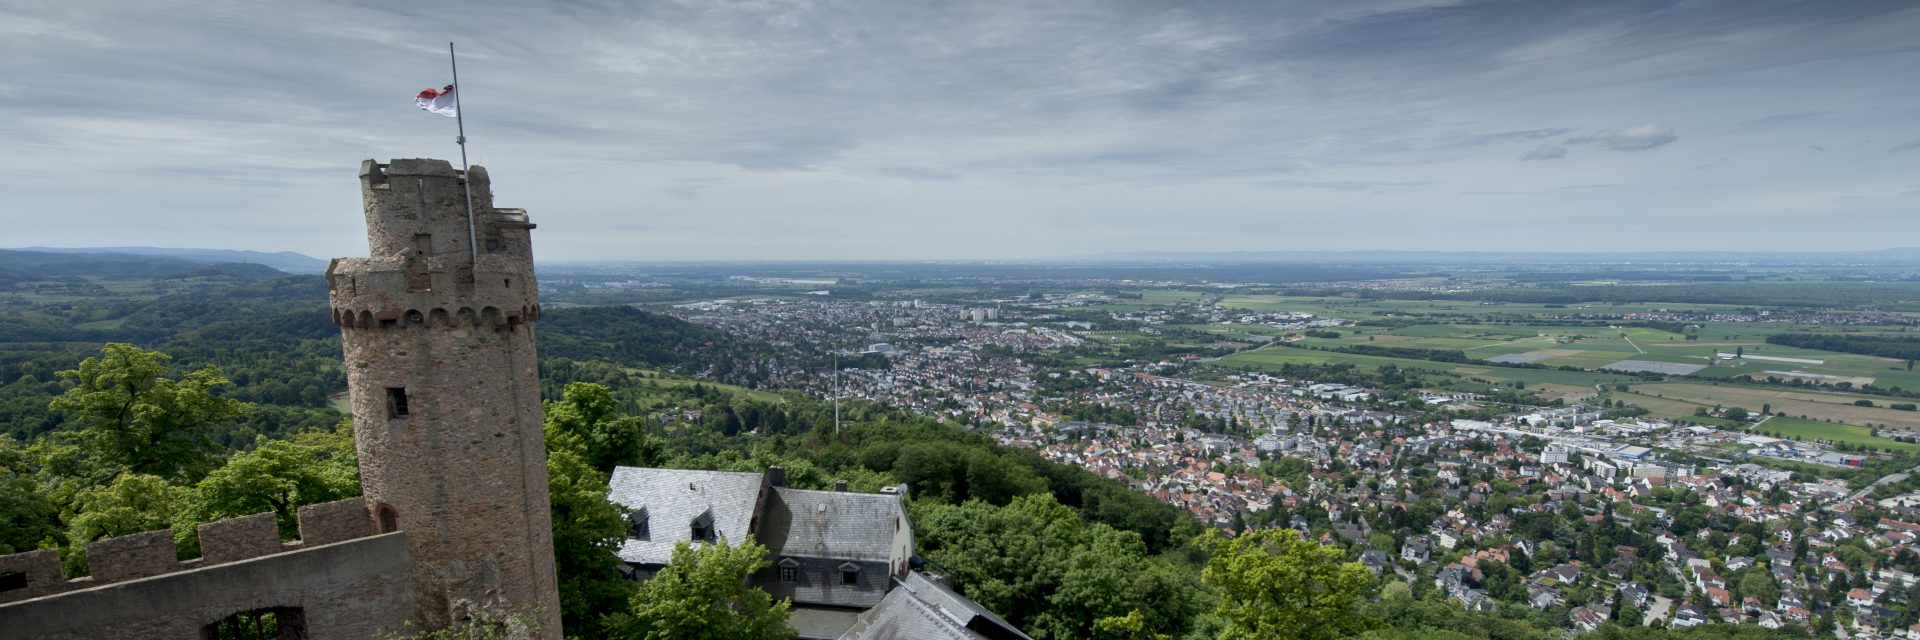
281, 476
1037, 564
132, 503
586, 413
137, 420
702, 594
27, 514
1760, 584
587, 530
1628, 615
1273, 584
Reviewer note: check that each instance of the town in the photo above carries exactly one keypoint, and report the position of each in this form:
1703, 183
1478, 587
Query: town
1675, 523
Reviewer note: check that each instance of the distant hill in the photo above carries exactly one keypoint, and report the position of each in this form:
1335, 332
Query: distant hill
1902, 255
17, 266
287, 261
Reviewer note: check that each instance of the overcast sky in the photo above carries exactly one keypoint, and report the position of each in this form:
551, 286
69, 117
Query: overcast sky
904, 129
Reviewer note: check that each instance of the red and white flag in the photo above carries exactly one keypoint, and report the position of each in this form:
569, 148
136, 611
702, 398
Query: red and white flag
441, 101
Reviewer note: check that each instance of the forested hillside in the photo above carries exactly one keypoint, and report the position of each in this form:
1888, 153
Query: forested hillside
141, 410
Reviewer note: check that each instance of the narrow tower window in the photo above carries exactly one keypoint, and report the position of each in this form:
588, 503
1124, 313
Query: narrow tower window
422, 244
397, 402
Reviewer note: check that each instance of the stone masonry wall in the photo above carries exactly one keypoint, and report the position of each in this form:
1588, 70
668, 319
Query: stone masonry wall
152, 553
239, 538
347, 591
39, 569
132, 556
425, 323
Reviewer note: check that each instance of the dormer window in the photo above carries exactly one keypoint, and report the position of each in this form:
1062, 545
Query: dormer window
789, 570
637, 525
849, 574
703, 527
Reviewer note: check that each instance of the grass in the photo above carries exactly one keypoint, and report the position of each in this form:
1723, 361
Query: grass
1273, 356
665, 380
1830, 432
1680, 399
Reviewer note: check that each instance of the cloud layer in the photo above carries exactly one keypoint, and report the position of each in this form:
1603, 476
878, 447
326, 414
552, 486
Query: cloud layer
1642, 137
821, 130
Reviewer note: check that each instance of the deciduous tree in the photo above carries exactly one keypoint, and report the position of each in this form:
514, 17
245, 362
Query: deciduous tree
702, 594
137, 420
1273, 584
281, 476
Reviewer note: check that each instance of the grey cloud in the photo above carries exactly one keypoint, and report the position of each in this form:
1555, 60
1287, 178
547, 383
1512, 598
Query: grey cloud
1640, 137
1776, 121
911, 119
1545, 152
1913, 145
1337, 185
1484, 139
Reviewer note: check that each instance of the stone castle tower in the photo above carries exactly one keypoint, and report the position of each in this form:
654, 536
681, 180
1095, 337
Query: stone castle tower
446, 395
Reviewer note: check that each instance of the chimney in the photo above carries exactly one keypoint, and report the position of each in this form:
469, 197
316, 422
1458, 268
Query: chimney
776, 476
840, 486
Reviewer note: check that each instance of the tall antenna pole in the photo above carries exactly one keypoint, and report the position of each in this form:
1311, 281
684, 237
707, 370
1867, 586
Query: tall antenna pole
460, 119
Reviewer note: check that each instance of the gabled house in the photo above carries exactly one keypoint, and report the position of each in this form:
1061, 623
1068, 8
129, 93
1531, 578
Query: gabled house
835, 554
924, 608
1415, 551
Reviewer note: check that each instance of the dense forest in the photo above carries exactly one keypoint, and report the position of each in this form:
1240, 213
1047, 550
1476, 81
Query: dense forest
1885, 346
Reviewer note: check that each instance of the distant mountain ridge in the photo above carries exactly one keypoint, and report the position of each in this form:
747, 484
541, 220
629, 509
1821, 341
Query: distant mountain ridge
287, 261
19, 266
1896, 255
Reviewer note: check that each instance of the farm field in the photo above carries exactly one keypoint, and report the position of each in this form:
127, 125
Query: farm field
1587, 347
1830, 432
1679, 399
1273, 356
1882, 372
1355, 308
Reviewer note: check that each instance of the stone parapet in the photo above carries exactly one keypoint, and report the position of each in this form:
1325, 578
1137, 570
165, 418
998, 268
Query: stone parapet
152, 553
30, 575
345, 591
132, 556
330, 522
240, 538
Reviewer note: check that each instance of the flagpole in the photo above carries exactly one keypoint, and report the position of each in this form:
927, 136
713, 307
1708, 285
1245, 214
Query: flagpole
460, 120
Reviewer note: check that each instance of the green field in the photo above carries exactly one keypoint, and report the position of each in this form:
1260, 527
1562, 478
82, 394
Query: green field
1273, 356
1680, 399
667, 380
1830, 432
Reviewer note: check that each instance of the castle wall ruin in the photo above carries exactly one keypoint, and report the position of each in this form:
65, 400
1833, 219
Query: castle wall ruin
344, 585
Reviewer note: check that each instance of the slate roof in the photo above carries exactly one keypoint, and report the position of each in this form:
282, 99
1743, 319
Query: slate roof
673, 498
831, 524
921, 609
821, 622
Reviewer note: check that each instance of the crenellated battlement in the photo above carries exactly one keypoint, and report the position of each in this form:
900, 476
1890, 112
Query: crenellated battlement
436, 318
418, 208
421, 262
152, 553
